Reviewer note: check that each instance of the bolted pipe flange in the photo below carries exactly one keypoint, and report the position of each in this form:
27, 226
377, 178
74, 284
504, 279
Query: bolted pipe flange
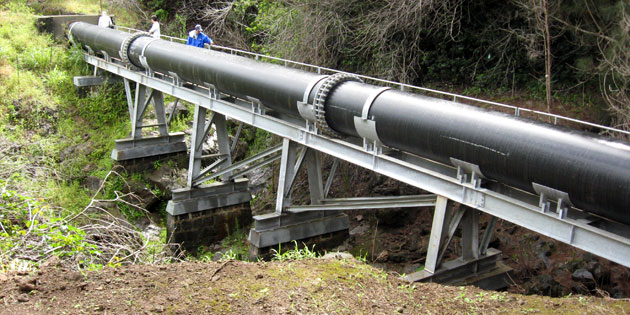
321, 96
124, 49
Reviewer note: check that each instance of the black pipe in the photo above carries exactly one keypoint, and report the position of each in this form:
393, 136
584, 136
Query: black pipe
593, 170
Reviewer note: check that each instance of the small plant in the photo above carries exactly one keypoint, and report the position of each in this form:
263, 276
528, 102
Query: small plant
230, 255
362, 256
294, 254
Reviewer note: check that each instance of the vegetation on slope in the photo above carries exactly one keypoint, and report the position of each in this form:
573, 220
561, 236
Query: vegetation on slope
51, 139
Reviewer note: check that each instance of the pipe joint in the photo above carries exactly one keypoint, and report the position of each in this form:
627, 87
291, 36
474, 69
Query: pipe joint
321, 96
124, 49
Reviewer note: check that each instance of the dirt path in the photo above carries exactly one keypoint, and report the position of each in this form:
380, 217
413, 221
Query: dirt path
313, 286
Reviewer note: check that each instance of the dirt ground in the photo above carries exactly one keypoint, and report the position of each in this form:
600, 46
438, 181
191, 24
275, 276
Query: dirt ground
311, 286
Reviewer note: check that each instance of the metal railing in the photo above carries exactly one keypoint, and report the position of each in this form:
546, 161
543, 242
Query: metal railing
514, 110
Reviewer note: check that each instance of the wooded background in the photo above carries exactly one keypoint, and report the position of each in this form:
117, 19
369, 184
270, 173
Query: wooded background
556, 51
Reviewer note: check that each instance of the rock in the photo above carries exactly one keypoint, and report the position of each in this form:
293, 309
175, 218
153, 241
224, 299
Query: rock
617, 292
601, 274
217, 256
92, 183
342, 248
359, 218
26, 286
584, 276
180, 110
338, 255
166, 179
359, 230
22, 297
383, 256
544, 248
579, 288
545, 285
411, 268
511, 229
53, 261
392, 217
75, 150
494, 243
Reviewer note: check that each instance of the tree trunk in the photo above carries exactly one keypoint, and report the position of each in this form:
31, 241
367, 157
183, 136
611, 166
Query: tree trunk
545, 4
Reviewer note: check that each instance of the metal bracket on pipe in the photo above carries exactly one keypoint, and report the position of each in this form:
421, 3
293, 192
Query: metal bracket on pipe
106, 56
366, 127
212, 90
90, 50
176, 80
465, 168
257, 106
547, 194
143, 58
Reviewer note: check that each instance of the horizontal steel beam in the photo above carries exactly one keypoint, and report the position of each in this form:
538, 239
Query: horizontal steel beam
528, 215
368, 203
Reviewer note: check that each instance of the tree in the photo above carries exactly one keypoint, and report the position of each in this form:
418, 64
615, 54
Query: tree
537, 13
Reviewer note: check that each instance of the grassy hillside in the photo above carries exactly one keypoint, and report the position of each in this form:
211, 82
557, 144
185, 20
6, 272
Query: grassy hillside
51, 139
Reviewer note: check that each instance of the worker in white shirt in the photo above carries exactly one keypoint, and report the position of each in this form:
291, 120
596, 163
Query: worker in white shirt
155, 27
105, 21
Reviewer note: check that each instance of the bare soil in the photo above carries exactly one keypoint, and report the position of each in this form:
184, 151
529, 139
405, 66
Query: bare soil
312, 286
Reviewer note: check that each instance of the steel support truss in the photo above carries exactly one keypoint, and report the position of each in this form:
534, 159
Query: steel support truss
476, 262
603, 238
139, 145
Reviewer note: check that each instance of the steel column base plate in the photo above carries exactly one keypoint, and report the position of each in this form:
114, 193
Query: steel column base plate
486, 272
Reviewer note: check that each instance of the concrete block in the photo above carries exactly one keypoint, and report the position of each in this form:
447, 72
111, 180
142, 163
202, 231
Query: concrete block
207, 227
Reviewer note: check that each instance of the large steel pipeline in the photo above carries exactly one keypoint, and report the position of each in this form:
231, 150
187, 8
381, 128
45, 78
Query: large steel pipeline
594, 171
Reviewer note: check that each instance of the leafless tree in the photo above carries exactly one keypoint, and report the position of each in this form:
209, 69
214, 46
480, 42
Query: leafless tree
538, 15
615, 64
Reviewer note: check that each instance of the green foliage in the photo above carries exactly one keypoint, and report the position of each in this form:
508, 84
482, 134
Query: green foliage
29, 226
41, 112
236, 244
294, 254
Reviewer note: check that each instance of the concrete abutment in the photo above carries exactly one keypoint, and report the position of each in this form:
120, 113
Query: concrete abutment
205, 215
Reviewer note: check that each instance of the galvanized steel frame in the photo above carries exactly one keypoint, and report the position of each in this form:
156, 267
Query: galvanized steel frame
424, 174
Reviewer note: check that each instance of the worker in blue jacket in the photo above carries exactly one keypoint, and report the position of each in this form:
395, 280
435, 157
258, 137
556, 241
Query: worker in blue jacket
197, 38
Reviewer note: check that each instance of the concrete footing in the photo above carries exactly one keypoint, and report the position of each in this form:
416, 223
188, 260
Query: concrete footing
205, 215
129, 149
308, 228
486, 272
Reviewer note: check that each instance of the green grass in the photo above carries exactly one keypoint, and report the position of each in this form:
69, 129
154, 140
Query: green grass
51, 137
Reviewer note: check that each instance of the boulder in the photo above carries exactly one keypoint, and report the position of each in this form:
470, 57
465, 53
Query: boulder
585, 277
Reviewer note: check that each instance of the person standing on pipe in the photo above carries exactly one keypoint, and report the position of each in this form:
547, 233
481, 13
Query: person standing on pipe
197, 38
155, 27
